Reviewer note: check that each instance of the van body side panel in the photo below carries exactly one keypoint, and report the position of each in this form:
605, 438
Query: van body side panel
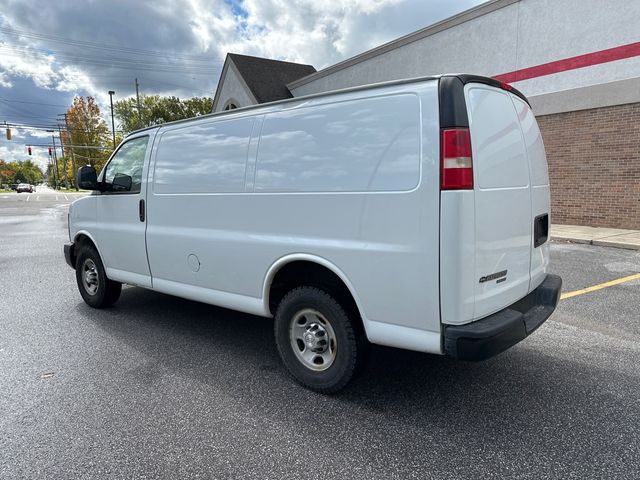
352, 178
83, 214
199, 217
386, 240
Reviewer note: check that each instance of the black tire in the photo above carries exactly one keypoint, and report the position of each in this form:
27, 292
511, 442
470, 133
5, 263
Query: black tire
104, 292
349, 348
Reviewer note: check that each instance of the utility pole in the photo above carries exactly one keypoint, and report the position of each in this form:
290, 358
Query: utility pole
55, 162
52, 168
138, 102
73, 158
113, 126
64, 159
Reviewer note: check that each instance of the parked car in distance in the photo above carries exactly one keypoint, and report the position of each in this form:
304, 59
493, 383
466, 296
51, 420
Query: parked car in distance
412, 214
24, 187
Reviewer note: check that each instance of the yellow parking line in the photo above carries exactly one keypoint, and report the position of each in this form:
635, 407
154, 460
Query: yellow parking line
600, 286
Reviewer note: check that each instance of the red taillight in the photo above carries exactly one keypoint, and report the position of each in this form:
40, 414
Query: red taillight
456, 167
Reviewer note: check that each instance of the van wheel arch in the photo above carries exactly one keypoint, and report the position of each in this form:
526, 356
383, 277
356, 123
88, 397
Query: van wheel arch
298, 273
80, 241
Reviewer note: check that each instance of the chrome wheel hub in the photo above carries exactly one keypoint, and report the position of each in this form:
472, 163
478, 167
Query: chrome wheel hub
313, 339
90, 276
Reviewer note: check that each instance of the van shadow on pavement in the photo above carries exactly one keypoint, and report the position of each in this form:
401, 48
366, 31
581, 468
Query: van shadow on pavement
524, 402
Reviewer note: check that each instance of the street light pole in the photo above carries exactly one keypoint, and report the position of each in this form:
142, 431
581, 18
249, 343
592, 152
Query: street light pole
113, 125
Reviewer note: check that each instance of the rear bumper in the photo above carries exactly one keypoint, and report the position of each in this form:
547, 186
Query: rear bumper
69, 254
494, 334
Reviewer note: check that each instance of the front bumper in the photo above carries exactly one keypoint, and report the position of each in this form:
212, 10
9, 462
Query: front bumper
491, 335
69, 254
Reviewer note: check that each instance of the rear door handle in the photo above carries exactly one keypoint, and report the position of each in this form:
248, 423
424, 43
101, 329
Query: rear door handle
141, 210
540, 230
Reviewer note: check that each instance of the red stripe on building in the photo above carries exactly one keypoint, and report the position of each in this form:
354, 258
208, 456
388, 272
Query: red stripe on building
580, 61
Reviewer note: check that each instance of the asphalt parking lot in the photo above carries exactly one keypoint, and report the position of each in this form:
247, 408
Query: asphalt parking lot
159, 387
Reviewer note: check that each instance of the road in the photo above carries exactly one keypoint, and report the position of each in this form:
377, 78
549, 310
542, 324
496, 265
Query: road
159, 387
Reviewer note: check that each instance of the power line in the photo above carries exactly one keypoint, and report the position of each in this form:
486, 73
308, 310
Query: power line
33, 103
88, 147
106, 60
133, 65
100, 46
44, 127
22, 113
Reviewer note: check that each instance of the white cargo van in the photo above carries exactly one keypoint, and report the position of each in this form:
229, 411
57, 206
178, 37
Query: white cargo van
413, 214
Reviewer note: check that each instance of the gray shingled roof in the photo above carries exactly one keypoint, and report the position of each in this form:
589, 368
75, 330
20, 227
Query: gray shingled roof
267, 79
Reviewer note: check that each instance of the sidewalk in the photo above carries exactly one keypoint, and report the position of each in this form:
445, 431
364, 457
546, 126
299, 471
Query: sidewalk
606, 237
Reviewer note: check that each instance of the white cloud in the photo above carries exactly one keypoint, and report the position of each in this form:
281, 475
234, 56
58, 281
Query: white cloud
323, 32
190, 39
23, 61
11, 152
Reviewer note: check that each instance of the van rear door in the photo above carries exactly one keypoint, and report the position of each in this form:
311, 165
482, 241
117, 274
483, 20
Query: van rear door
494, 199
540, 192
503, 220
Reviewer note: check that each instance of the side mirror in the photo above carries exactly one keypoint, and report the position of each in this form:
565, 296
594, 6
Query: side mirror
121, 183
87, 178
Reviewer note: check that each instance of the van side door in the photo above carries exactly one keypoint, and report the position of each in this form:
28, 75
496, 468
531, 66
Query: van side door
121, 213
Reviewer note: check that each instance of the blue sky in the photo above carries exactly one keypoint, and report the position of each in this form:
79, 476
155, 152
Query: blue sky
52, 51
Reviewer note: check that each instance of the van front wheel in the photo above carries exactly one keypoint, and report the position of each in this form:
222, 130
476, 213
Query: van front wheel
96, 289
316, 340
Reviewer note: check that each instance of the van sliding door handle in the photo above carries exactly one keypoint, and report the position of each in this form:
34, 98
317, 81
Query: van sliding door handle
141, 210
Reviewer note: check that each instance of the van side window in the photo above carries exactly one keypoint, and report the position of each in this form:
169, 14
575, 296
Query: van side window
124, 172
203, 158
370, 144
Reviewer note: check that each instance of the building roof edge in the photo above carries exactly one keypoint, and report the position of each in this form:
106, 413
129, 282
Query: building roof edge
462, 17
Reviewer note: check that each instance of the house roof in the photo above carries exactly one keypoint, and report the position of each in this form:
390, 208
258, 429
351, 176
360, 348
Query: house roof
267, 79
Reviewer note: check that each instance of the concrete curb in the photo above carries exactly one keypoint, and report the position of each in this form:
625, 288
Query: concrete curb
597, 243
603, 237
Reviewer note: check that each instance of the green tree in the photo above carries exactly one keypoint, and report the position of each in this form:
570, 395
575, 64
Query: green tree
156, 109
7, 172
86, 127
64, 175
20, 172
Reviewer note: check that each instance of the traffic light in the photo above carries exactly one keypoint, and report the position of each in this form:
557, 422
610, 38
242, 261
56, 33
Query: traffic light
49, 151
29, 150
8, 134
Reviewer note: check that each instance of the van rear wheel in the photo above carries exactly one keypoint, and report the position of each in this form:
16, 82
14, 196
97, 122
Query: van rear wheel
96, 289
317, 341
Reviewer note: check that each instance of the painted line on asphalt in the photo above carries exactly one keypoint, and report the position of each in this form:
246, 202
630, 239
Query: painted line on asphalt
600, 286
65, 197
28, 198
38, 197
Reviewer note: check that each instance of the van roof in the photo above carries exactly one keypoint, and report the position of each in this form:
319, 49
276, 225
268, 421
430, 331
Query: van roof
463, 77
